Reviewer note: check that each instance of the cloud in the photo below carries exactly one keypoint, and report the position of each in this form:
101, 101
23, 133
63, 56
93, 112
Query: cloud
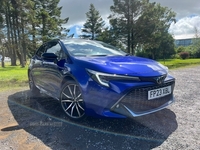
185, 27
76, 10
183, 8
78, 30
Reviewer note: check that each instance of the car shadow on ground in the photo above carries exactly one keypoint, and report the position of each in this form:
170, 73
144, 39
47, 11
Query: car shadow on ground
43, 118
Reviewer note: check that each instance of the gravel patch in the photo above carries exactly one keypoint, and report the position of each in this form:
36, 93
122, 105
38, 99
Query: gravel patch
187, 110
39, 123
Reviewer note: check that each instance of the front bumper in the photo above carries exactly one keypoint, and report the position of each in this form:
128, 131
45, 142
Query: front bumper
135, 102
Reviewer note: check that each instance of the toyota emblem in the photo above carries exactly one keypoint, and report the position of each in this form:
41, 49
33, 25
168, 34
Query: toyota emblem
160, 80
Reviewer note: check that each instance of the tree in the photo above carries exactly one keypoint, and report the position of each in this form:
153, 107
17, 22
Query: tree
166, 47
14, 15
154, 23
49, 24
28, 22
108, 36
124, 16
196, 42
7, 12
2, 38
140, 23
18, 27
165, 50
93, 25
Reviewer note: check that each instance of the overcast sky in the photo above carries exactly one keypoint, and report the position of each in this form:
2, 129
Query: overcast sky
188, 13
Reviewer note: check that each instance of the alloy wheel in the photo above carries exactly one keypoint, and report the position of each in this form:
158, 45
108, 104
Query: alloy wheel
72, 101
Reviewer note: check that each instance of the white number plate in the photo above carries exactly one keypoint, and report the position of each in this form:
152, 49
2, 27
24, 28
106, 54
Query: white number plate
156, 93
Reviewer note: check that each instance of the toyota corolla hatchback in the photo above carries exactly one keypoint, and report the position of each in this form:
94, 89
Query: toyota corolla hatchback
94, 78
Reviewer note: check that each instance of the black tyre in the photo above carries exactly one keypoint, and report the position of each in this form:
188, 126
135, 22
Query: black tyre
72, 101
34, 90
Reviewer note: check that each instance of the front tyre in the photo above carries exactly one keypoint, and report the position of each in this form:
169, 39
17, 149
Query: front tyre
72, 101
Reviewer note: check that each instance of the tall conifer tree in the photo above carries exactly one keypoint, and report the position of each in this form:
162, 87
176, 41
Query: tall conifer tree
93, 25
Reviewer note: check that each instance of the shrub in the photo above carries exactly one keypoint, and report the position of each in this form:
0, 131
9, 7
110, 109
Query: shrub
176, 56
180, 49
184, 55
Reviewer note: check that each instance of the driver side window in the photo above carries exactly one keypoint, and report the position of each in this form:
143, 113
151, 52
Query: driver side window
54, 47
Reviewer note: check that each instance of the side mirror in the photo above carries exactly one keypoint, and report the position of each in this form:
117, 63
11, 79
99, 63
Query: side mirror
49, 56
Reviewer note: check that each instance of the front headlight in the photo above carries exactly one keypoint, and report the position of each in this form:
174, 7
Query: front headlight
104, 78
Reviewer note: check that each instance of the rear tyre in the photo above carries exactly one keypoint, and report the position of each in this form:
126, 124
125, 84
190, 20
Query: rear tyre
72, 101
34, 90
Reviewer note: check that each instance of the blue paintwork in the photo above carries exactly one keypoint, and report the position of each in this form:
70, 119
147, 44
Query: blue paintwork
123, 65
98, 99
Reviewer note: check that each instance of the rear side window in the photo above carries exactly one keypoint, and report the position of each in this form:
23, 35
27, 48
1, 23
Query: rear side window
41, 50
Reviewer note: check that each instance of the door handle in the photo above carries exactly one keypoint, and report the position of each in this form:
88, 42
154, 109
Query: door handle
47, 63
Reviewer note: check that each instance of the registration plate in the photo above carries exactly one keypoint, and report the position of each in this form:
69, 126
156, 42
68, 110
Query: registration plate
156, 93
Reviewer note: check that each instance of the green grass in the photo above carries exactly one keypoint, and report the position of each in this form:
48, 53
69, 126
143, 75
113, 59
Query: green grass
13, 77
177, 63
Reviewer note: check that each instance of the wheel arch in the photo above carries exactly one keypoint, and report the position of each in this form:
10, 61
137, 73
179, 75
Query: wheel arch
67, 78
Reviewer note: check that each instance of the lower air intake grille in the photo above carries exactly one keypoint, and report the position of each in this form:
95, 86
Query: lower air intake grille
137, 99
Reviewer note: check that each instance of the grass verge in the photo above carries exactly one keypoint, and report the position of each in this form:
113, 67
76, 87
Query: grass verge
13, 77
177, 63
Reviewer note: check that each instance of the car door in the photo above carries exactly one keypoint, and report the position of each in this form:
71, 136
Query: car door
53, 69
37, 67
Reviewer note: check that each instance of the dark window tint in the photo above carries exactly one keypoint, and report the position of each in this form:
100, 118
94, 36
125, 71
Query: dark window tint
54, 47
41, 50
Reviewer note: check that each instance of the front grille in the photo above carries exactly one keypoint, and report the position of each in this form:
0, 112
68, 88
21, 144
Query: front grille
137, 99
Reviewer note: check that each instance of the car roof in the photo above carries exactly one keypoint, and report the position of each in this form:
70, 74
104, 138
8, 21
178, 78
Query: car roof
77, 40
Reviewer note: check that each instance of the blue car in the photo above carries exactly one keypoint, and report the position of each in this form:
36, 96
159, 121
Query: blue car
96, 79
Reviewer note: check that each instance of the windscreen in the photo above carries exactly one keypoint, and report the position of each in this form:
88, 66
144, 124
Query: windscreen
92, 48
